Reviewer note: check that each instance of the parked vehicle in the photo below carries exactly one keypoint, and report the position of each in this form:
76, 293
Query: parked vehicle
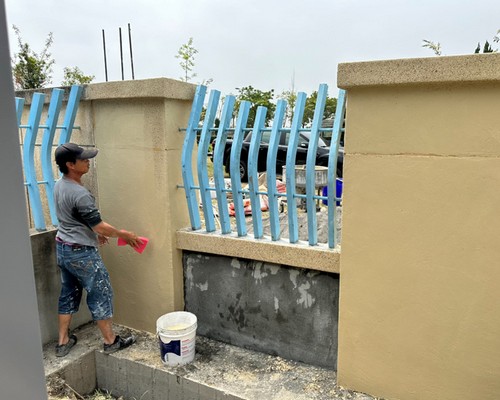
322, 153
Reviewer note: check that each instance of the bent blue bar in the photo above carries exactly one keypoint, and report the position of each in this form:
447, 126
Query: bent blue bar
220, 143
19, 109
46, 151
293, 142
29, 160
69, 118
234, 164
271, 169
311, 164
332, 168
208, 123
187, 154
253, 174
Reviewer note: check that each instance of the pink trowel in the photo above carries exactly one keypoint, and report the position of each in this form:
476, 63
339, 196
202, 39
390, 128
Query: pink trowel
139, 248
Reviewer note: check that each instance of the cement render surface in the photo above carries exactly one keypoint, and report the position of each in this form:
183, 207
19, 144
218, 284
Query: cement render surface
219, 371
48, 285
276, 309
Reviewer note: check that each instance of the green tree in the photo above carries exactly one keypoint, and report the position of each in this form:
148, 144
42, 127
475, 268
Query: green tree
330, 106
32, 70
257, 98
436, 47
186, 55
75, 76
486, 49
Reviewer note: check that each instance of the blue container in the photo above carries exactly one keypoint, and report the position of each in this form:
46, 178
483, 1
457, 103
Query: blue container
338, 191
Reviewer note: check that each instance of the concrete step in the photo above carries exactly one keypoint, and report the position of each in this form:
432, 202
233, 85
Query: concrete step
219, 371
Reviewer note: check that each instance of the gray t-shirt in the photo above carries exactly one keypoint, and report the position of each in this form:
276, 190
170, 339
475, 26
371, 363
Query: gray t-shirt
76, 212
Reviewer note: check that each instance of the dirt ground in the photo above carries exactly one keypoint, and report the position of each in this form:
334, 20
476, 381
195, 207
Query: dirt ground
251, 375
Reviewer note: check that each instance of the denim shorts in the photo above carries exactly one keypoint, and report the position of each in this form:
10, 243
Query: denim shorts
82, 268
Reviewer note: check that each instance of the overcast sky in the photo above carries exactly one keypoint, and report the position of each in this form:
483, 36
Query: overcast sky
263, 43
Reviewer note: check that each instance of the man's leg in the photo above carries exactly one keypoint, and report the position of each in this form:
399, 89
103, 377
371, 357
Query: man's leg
100, 302
64, 322
106, 327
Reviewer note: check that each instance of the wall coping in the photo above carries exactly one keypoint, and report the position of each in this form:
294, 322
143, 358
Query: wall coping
475, 68
320, 257
142, 88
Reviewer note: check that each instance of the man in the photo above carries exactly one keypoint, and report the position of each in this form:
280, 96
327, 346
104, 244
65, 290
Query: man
81, 231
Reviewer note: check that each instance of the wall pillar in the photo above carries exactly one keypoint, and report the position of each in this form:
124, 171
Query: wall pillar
419, 311
136, 129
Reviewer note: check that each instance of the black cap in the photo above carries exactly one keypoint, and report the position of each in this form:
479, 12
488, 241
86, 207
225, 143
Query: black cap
70, 151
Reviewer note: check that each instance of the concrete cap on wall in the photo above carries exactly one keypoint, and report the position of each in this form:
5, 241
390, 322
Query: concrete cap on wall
144, 88
475, 68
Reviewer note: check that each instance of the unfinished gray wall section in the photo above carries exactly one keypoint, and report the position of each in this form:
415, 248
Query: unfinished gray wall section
276, 309
48, 286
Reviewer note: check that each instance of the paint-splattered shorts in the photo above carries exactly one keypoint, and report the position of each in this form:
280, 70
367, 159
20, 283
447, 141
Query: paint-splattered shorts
82, 268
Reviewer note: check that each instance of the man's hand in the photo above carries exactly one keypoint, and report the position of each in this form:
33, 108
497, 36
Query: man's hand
102, 240
107, 230
131, 238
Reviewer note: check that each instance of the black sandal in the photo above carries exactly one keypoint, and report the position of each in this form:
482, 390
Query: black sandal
63, 349
119, 344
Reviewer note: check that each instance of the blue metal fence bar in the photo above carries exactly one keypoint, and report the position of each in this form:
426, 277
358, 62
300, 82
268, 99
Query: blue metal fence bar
255, 144
46, 151
69, 118
29, 160
271, 169
19, 109
220, 142
253, 175
208, 123
187, 156
293, 141
332, 168
310, 164
234, 164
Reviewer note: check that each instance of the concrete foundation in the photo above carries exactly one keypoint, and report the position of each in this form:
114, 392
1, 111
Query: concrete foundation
276, 309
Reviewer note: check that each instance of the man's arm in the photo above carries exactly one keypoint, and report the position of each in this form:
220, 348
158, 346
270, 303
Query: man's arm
105, 229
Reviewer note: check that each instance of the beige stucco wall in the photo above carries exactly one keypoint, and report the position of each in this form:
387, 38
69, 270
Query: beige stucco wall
136, 129
419, 309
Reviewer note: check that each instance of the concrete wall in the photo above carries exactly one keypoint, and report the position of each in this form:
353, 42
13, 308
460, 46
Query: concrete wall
275, 309
48, 285
135, 125
419, 310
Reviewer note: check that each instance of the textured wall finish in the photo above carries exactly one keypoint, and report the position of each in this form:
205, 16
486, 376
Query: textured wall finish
419, 311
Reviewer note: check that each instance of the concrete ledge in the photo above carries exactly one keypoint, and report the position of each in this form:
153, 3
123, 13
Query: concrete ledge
301, 255
420, 71
147, 88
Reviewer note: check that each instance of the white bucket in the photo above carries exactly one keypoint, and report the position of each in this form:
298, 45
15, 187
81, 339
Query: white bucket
177, 335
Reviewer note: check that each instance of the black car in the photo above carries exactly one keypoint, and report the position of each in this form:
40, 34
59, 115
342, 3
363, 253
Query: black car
322, 153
